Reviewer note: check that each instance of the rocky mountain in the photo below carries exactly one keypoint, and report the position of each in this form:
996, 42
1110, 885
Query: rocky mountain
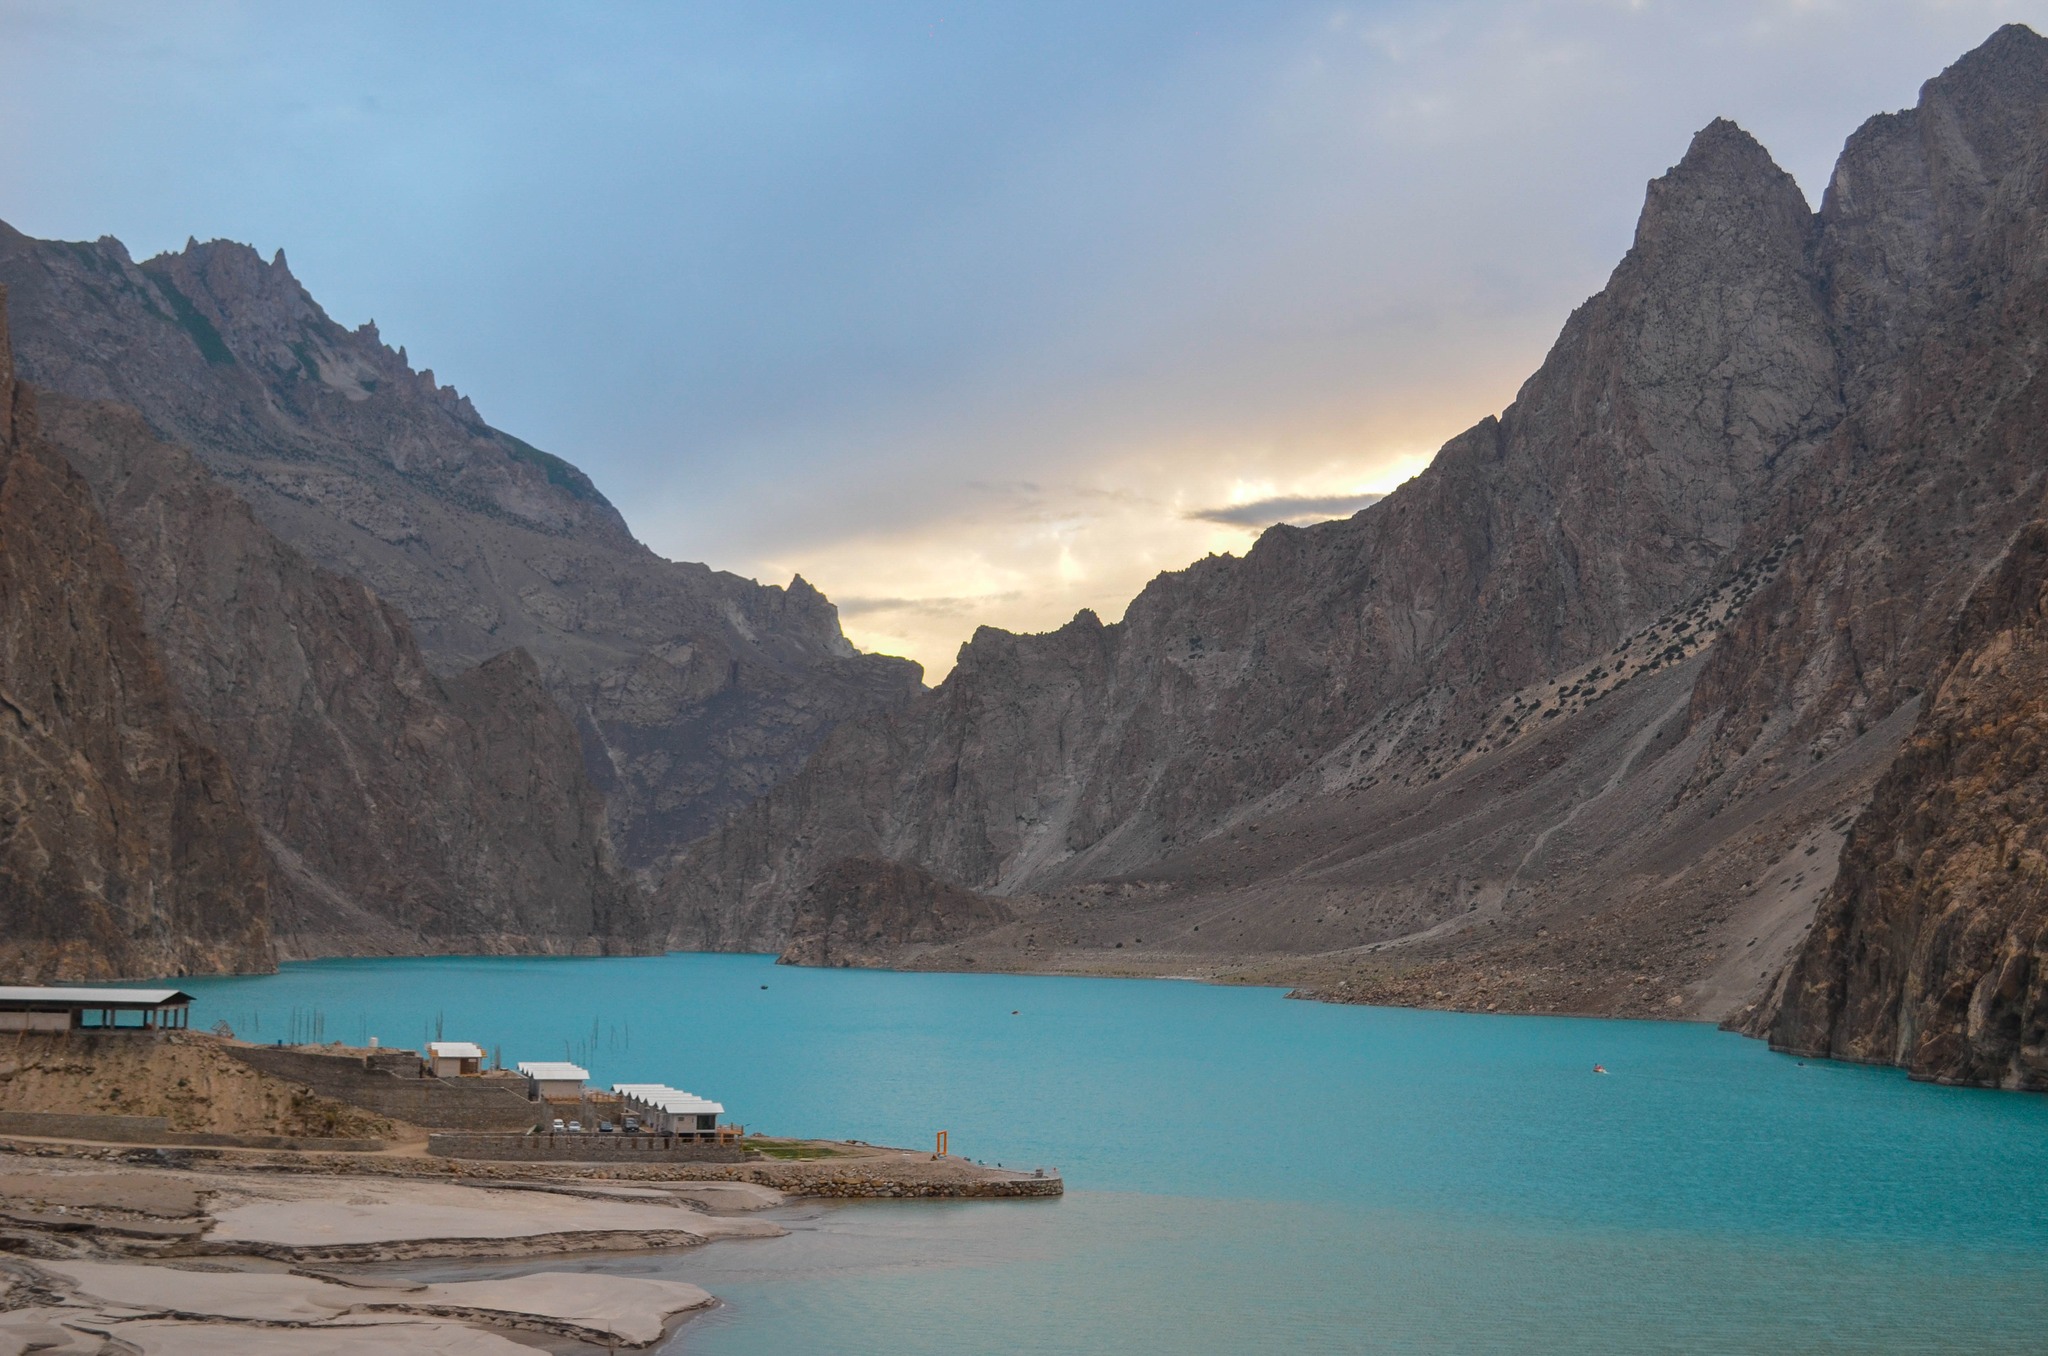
1370, 656
1931, 949
1579, 718
124, 846
401, 811
693, 691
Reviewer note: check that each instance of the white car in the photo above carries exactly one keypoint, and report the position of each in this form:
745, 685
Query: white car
575, 1127
558, 1125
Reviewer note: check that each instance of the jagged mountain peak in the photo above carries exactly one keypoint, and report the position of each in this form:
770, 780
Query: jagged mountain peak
1722, 141
267, 320
993, 642
1974, 122
1908, 202
1726, 181
2007, 70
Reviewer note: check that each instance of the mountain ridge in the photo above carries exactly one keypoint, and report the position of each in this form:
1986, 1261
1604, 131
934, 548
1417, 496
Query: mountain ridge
692, 691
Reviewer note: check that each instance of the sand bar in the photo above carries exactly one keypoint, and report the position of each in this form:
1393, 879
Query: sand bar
315, 1217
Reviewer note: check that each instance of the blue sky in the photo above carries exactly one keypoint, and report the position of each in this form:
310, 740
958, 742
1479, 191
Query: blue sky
970, 312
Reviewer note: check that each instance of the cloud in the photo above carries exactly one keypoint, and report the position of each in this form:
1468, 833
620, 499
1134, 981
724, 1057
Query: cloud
1027, 557
1286, 508
948, 609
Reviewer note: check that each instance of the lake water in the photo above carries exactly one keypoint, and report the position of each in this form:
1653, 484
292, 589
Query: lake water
1247, 1173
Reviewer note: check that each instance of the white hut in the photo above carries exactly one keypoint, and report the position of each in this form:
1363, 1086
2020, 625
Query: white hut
670, 1111
552, 1079
451, 1059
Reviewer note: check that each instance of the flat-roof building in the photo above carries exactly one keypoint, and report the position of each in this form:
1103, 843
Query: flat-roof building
452, 1059
550, 1079
36, 1008
670, 1111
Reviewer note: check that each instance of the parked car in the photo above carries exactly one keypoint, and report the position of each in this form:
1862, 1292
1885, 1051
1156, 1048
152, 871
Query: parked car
632, 1125
558, 1125
606, 1128
575, 1127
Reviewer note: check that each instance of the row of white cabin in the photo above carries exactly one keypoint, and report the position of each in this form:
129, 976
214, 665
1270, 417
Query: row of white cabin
658, 1107
667, 1110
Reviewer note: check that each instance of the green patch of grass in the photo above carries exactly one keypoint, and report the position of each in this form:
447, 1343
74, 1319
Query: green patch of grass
792, 1149
560, 474
211, 346
303, 351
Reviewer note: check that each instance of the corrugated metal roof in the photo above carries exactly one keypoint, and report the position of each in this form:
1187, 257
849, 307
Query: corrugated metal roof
454, 1050
665, 1098
76, 997
553, 1071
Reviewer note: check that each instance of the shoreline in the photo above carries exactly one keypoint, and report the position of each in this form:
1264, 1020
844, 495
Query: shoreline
852, 1172
213, 1251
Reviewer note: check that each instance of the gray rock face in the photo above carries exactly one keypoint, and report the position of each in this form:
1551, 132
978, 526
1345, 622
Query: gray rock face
1578, 719
1931, 243
861, 910
124, 846
694, 691
401, 811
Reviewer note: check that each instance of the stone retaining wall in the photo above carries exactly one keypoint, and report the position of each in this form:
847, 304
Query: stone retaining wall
157, 1130
587, 1148
870, 1186
436, 1103
59, 1125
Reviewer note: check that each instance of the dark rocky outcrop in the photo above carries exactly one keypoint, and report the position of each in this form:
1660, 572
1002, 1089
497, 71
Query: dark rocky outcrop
401, 811
863, 909
693, 691
124, 846
1931, 950
1576, 720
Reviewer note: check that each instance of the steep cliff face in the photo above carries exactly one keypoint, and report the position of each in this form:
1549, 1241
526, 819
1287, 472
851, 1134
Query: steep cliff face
693, 691
1366, 654
1578, 719
1931, 951
124, 848
401, 811
1934, 249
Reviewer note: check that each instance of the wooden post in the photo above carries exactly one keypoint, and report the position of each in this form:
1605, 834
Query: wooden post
940, 1151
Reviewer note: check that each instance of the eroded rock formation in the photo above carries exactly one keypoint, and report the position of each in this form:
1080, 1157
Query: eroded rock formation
1931, 950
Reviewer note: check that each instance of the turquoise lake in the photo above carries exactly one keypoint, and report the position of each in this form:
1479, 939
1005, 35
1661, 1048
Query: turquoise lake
1247, 1173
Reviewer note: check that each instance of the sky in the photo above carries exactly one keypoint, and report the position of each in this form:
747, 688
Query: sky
969, 313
